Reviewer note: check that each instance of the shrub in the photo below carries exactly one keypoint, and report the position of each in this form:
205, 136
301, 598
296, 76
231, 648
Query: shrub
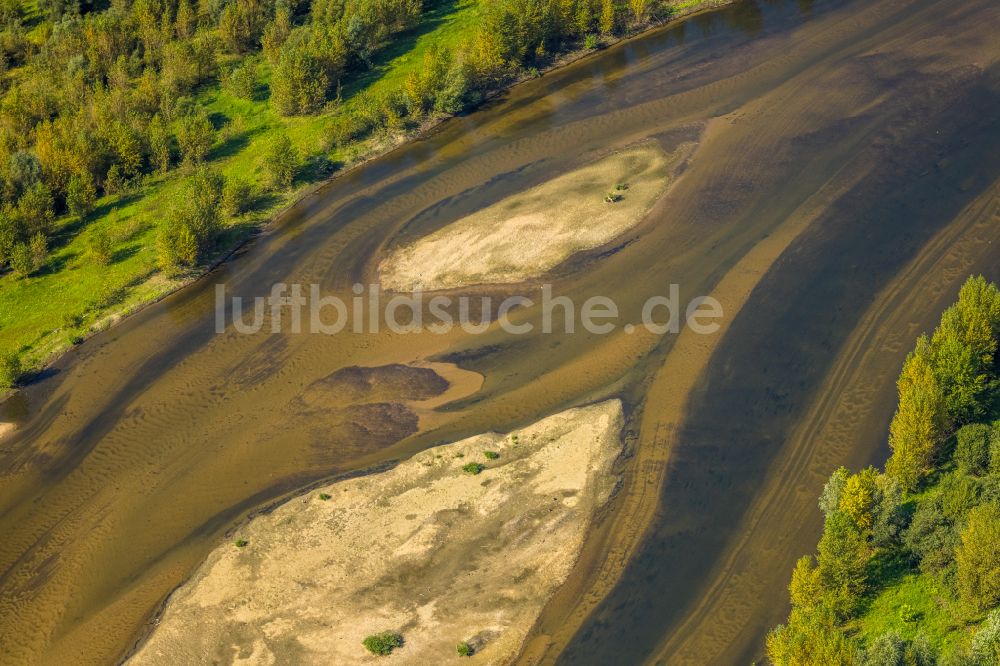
891, 650
36, 207
473, 468
99, 246
383, 643
241, 543
237, 196
39, 247
464, 649
959, 493
986, 643
80, 194
979, 558
931, 536
324, 496
995, 448
195, 136
115, 182
20, 260
186, 246
884, 650
591, 42
299, 81
972, 448
10, 369
177, 246
241, 82
282, 161
491, 455
193, 222
829, 499
456, 92
346, 128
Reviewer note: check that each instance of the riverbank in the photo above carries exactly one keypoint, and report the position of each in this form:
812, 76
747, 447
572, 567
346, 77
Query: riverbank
158, 438
472, 538
83, 307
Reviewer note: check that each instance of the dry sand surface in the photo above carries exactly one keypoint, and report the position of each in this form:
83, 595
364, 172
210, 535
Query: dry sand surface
531, 232
425, 549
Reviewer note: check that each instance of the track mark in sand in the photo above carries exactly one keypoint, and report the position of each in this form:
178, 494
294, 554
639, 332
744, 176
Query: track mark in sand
824, 439
663, 415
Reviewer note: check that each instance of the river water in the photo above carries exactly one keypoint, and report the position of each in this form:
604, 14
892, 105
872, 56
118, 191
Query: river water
845, 183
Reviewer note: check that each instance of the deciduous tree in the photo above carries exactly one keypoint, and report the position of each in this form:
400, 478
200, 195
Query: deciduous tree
282, 161
978, 558
918, 425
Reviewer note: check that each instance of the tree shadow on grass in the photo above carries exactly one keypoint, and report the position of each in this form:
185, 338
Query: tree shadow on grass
109, 206
885, 570
263, 201
888, 568
261, 93
124, 253
316, 168
74, 226
233, 144
56, 264
111, 294
218, 120
230, 146
238, 232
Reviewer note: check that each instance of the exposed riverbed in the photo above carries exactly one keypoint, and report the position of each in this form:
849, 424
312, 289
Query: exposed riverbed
845, 183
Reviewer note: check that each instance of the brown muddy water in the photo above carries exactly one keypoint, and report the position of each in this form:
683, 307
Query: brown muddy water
845, 184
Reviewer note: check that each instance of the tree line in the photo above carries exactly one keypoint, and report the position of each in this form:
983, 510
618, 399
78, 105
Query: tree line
934, 511
97, 95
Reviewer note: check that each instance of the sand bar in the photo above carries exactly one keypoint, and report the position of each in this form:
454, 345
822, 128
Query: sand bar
425, 549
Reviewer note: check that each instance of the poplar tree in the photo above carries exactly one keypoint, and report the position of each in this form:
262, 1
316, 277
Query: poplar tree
979, 558
919, 423
607, 22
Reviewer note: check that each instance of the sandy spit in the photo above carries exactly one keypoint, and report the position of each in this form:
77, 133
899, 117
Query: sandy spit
425, 549
531, 232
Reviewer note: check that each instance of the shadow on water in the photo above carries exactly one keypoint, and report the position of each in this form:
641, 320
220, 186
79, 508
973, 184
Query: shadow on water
772, 361
162, 407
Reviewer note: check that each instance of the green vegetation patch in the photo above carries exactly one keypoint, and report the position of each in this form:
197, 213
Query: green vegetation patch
907, 570
114, 113
383, 643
